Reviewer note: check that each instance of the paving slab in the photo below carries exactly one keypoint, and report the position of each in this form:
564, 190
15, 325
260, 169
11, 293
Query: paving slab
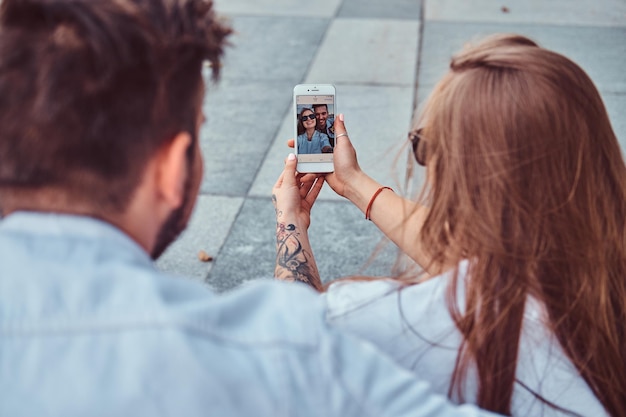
208, 229
561, 12
341, 239
377, 118
321, 8
243, 118
376, 9
273, 48
605, 65
367, 51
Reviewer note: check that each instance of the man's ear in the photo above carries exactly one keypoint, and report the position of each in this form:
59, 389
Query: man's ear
172, 169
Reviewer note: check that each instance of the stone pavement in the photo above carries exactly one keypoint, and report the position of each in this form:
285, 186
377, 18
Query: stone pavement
384, 56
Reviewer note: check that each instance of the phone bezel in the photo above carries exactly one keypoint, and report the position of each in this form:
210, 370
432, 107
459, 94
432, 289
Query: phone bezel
312, 90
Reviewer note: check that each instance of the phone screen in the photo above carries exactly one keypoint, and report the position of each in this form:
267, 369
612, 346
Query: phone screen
315, 117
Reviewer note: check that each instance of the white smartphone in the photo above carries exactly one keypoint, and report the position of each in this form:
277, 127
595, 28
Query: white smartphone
314, 109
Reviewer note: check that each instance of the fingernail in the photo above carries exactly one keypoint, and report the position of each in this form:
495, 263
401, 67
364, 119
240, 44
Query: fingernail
341, 116
291, 157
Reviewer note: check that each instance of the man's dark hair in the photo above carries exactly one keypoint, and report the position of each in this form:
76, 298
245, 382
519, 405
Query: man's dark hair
315, 106
91, 89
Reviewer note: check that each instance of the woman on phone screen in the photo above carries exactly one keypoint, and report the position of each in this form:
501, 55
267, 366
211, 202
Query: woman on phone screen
311, 140
521, 231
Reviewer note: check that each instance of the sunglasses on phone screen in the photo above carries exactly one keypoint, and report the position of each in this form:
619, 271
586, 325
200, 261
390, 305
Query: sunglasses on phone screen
309, 117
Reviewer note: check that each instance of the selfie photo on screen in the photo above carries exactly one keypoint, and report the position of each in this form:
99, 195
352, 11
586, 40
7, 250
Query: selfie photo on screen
314, 109
313, 132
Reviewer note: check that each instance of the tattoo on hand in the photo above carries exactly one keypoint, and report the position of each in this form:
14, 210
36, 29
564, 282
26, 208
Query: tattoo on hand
292, 261
279, 213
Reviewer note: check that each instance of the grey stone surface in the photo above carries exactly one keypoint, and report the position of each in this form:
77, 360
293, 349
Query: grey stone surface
562, 12
244, 111
250, 250
243, 118
273, 49
605, 65
389, 9
342, 242
367, 51
208, 228
274, 160
321, 8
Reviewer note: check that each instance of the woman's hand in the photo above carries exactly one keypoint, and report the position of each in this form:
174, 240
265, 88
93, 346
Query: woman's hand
400, 219
346, 167
347, 171
294, 194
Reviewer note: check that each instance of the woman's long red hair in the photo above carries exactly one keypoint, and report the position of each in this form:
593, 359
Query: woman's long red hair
528, 182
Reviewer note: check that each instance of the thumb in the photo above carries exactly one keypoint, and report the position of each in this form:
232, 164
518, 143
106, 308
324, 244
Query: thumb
289, 172
341, 135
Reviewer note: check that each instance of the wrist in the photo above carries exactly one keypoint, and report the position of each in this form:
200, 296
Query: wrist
360, 190
293, 224
286, 217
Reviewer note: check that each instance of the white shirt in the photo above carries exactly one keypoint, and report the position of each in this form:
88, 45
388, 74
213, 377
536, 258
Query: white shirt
415, 327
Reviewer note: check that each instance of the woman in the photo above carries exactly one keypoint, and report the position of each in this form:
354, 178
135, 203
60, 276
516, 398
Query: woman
522, 227
311, 140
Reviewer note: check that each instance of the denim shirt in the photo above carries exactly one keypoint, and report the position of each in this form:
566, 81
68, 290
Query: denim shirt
88, 326
315, 145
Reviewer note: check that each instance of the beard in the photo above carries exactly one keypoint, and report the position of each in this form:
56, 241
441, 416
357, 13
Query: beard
178, 219
173, 226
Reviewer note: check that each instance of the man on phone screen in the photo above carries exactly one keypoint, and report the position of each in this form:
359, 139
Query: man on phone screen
325, 123
100, 166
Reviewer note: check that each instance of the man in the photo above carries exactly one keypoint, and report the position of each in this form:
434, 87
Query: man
324, 123
99, 170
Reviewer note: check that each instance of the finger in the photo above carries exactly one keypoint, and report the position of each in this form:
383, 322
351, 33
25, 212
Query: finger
343, 143
340, 129
290, 143
279, 181
315, 191
289, 171
305, 186
342, 140
309, 177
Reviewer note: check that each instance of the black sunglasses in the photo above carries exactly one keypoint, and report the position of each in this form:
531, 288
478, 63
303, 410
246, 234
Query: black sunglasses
419, 146
309, 117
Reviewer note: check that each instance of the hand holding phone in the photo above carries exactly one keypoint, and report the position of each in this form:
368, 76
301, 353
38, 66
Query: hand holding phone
314, 112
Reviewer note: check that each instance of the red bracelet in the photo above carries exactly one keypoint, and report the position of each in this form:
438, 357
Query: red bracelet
369, 206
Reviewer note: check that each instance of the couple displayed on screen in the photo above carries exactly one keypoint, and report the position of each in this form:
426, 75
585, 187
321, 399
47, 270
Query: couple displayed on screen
315, 130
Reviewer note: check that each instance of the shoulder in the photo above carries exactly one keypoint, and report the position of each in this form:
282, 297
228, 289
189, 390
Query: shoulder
381, 310
262, 311
411, 324
347, 296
